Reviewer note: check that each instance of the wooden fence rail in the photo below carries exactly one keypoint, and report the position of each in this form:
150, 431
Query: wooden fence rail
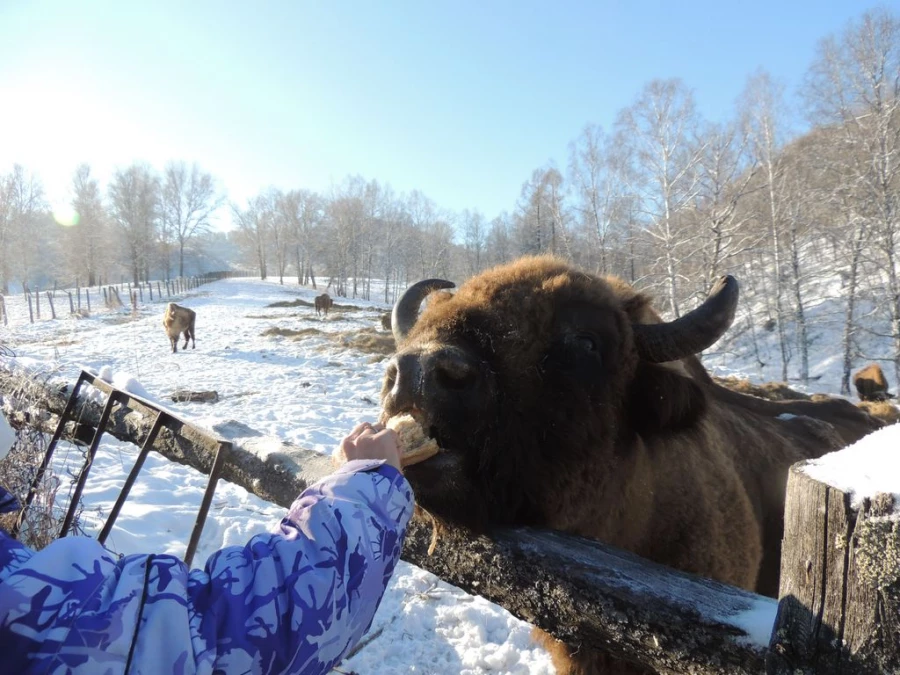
579, 590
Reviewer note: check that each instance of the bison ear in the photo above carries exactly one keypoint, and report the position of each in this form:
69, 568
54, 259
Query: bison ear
662, 400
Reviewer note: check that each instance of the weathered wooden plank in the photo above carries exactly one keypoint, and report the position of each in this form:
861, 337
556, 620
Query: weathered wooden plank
839, 608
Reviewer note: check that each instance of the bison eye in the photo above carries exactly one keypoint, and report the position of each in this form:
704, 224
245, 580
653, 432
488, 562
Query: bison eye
582, 341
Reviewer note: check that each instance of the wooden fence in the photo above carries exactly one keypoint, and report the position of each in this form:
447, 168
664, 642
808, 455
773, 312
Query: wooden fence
839, 604
47, 304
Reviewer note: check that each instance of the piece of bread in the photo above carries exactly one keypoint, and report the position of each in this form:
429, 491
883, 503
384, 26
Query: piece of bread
415, 445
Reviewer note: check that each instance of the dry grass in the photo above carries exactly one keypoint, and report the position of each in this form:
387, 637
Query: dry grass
290, 332
369, 341
291, 303
17, 471
887, 412
774, 391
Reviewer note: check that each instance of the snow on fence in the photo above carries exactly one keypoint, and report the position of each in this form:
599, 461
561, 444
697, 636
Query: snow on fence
839, 603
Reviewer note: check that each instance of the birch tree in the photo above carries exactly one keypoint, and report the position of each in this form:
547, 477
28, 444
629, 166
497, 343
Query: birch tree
658, 132
854, 84
189, 198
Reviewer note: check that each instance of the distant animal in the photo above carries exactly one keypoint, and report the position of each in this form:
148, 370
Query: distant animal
871, 384
560, 399
323, 303
386, 320
178, 320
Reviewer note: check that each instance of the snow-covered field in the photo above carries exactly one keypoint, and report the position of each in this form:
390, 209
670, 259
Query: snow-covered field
308, 388
310, 391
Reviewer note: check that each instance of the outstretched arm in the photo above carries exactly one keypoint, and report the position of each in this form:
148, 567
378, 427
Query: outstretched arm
292, 601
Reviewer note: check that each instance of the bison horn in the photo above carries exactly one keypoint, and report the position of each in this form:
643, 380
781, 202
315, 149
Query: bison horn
693, 332
406, 311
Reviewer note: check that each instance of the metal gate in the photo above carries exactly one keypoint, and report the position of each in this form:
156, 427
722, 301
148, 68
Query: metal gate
162, 418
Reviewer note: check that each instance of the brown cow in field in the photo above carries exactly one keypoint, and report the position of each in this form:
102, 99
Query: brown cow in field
323, 303
561, 400
178, 320
871, 384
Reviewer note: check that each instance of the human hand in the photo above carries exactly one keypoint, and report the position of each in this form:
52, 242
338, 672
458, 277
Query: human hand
369, 441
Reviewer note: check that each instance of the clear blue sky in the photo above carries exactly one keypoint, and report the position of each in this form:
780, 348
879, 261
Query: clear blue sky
461, 100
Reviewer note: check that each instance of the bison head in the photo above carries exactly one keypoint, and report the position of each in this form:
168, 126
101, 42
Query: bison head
535, 378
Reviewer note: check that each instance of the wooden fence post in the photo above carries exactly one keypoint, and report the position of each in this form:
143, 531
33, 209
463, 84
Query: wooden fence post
839, 600
30, 310
87, 297
105, 297
71, 303
50, 300
158, 291
37, 304
3, 310
150, 288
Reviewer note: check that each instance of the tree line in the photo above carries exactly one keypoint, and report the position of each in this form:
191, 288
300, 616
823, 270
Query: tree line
664, 198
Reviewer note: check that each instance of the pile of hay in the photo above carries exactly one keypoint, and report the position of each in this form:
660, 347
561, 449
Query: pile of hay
887, 412
774, 391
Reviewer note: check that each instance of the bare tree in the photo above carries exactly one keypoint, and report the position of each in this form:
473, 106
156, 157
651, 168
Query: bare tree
475, 239
658, 131
763, 109
189, 198
23, 212
252, 233
597, 172
88, 240
854, 83
134, 208
541, 217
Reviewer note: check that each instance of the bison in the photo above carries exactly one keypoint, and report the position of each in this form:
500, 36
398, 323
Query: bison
561, 400
871, 384
323, 303
386, 320
178, 320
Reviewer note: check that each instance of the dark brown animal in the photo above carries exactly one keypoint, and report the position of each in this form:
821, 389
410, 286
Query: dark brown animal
562, 401
323, 303
178, 320
871, 384
386, 320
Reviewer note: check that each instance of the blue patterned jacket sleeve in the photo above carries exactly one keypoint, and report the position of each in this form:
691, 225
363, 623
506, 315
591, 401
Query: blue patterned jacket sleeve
293, 601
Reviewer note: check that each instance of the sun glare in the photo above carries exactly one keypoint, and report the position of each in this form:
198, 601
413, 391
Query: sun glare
66, 216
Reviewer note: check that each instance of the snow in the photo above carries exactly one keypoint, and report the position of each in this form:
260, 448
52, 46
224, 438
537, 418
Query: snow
310, 391
869, 466
757, 621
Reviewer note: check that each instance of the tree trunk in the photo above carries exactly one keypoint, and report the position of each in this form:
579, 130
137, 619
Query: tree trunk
839, 609
849, 317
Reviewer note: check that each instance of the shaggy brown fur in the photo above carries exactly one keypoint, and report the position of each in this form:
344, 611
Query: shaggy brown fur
178, 320
323, 303
530, 379
871, 384
386, 320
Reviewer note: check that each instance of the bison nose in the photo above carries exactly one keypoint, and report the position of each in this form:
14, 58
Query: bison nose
402, 382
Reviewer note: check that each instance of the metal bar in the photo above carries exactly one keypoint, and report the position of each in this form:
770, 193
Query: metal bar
129, 482
88, 462
214, 472
48, 455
